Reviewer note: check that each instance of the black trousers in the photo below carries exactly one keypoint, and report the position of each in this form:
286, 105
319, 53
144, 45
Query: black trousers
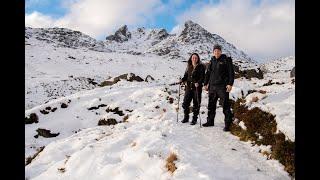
190, 95
214, 95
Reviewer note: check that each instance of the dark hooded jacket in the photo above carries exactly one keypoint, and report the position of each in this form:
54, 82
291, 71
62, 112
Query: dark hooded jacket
192, 76
220, 72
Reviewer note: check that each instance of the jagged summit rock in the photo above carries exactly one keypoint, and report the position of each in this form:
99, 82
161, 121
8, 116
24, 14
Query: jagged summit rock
158, 34
121, 35
193, 33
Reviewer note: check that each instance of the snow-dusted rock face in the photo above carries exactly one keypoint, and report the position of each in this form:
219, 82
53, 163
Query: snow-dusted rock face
192, 38
120, 35
62, 37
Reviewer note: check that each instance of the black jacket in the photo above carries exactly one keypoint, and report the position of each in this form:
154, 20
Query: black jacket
194, 76
220, 71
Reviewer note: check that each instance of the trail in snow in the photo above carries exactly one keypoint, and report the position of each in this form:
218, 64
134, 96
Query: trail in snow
138, 149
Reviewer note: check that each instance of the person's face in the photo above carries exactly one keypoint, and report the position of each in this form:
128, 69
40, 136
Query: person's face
217, 53
194, 59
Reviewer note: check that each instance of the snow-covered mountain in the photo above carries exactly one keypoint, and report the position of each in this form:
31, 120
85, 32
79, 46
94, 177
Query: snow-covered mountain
281, 66
63, 37
65, 107
49, 50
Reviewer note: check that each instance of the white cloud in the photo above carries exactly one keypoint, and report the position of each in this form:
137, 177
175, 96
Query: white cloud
98, 17
264, 30
37, 19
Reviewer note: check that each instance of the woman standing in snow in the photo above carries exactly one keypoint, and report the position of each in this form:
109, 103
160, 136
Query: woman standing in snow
193, 77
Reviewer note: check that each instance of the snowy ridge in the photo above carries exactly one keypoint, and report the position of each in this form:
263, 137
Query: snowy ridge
63, 37
192, 38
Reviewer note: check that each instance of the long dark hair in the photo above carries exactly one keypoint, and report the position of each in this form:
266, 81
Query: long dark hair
190, 66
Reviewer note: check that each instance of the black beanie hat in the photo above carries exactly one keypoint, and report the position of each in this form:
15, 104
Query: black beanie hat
217, 46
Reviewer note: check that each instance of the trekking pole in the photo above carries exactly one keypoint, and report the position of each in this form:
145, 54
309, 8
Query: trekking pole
198, 105
178, 100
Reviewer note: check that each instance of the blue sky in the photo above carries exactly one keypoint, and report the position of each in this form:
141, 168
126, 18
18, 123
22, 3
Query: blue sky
261, 28
56, 9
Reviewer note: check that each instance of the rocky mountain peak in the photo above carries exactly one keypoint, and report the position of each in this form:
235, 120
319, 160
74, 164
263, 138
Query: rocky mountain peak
193, 32
121, 35
158, 34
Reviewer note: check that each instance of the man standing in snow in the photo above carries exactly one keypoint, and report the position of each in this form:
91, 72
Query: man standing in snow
218, 81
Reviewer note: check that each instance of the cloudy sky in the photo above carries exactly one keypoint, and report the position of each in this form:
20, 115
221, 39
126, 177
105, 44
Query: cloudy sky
263, 29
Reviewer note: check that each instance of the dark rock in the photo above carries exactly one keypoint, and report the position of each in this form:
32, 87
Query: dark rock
129, 77
44, 112
91, 81
120, 35
93, 108
293, 72
133, 77
48, 108
115, 111
170, 100
108, 122
269, 83
247, 73
33, 118
107, 83
149, 78
46, 133
53, 109
71, 57
64, 105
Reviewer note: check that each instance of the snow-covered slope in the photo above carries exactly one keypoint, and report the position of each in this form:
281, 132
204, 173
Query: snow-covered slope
63, 71
279, 68
53, 72
137, 148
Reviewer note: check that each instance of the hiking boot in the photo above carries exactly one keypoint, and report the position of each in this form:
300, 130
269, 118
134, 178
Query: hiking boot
208, 123
185, 119
194, 120
226, 129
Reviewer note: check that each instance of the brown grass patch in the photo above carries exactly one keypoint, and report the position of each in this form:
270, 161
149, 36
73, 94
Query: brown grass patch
263, 123
62, 170
133, 144
125, 118
170, 165
30, 158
